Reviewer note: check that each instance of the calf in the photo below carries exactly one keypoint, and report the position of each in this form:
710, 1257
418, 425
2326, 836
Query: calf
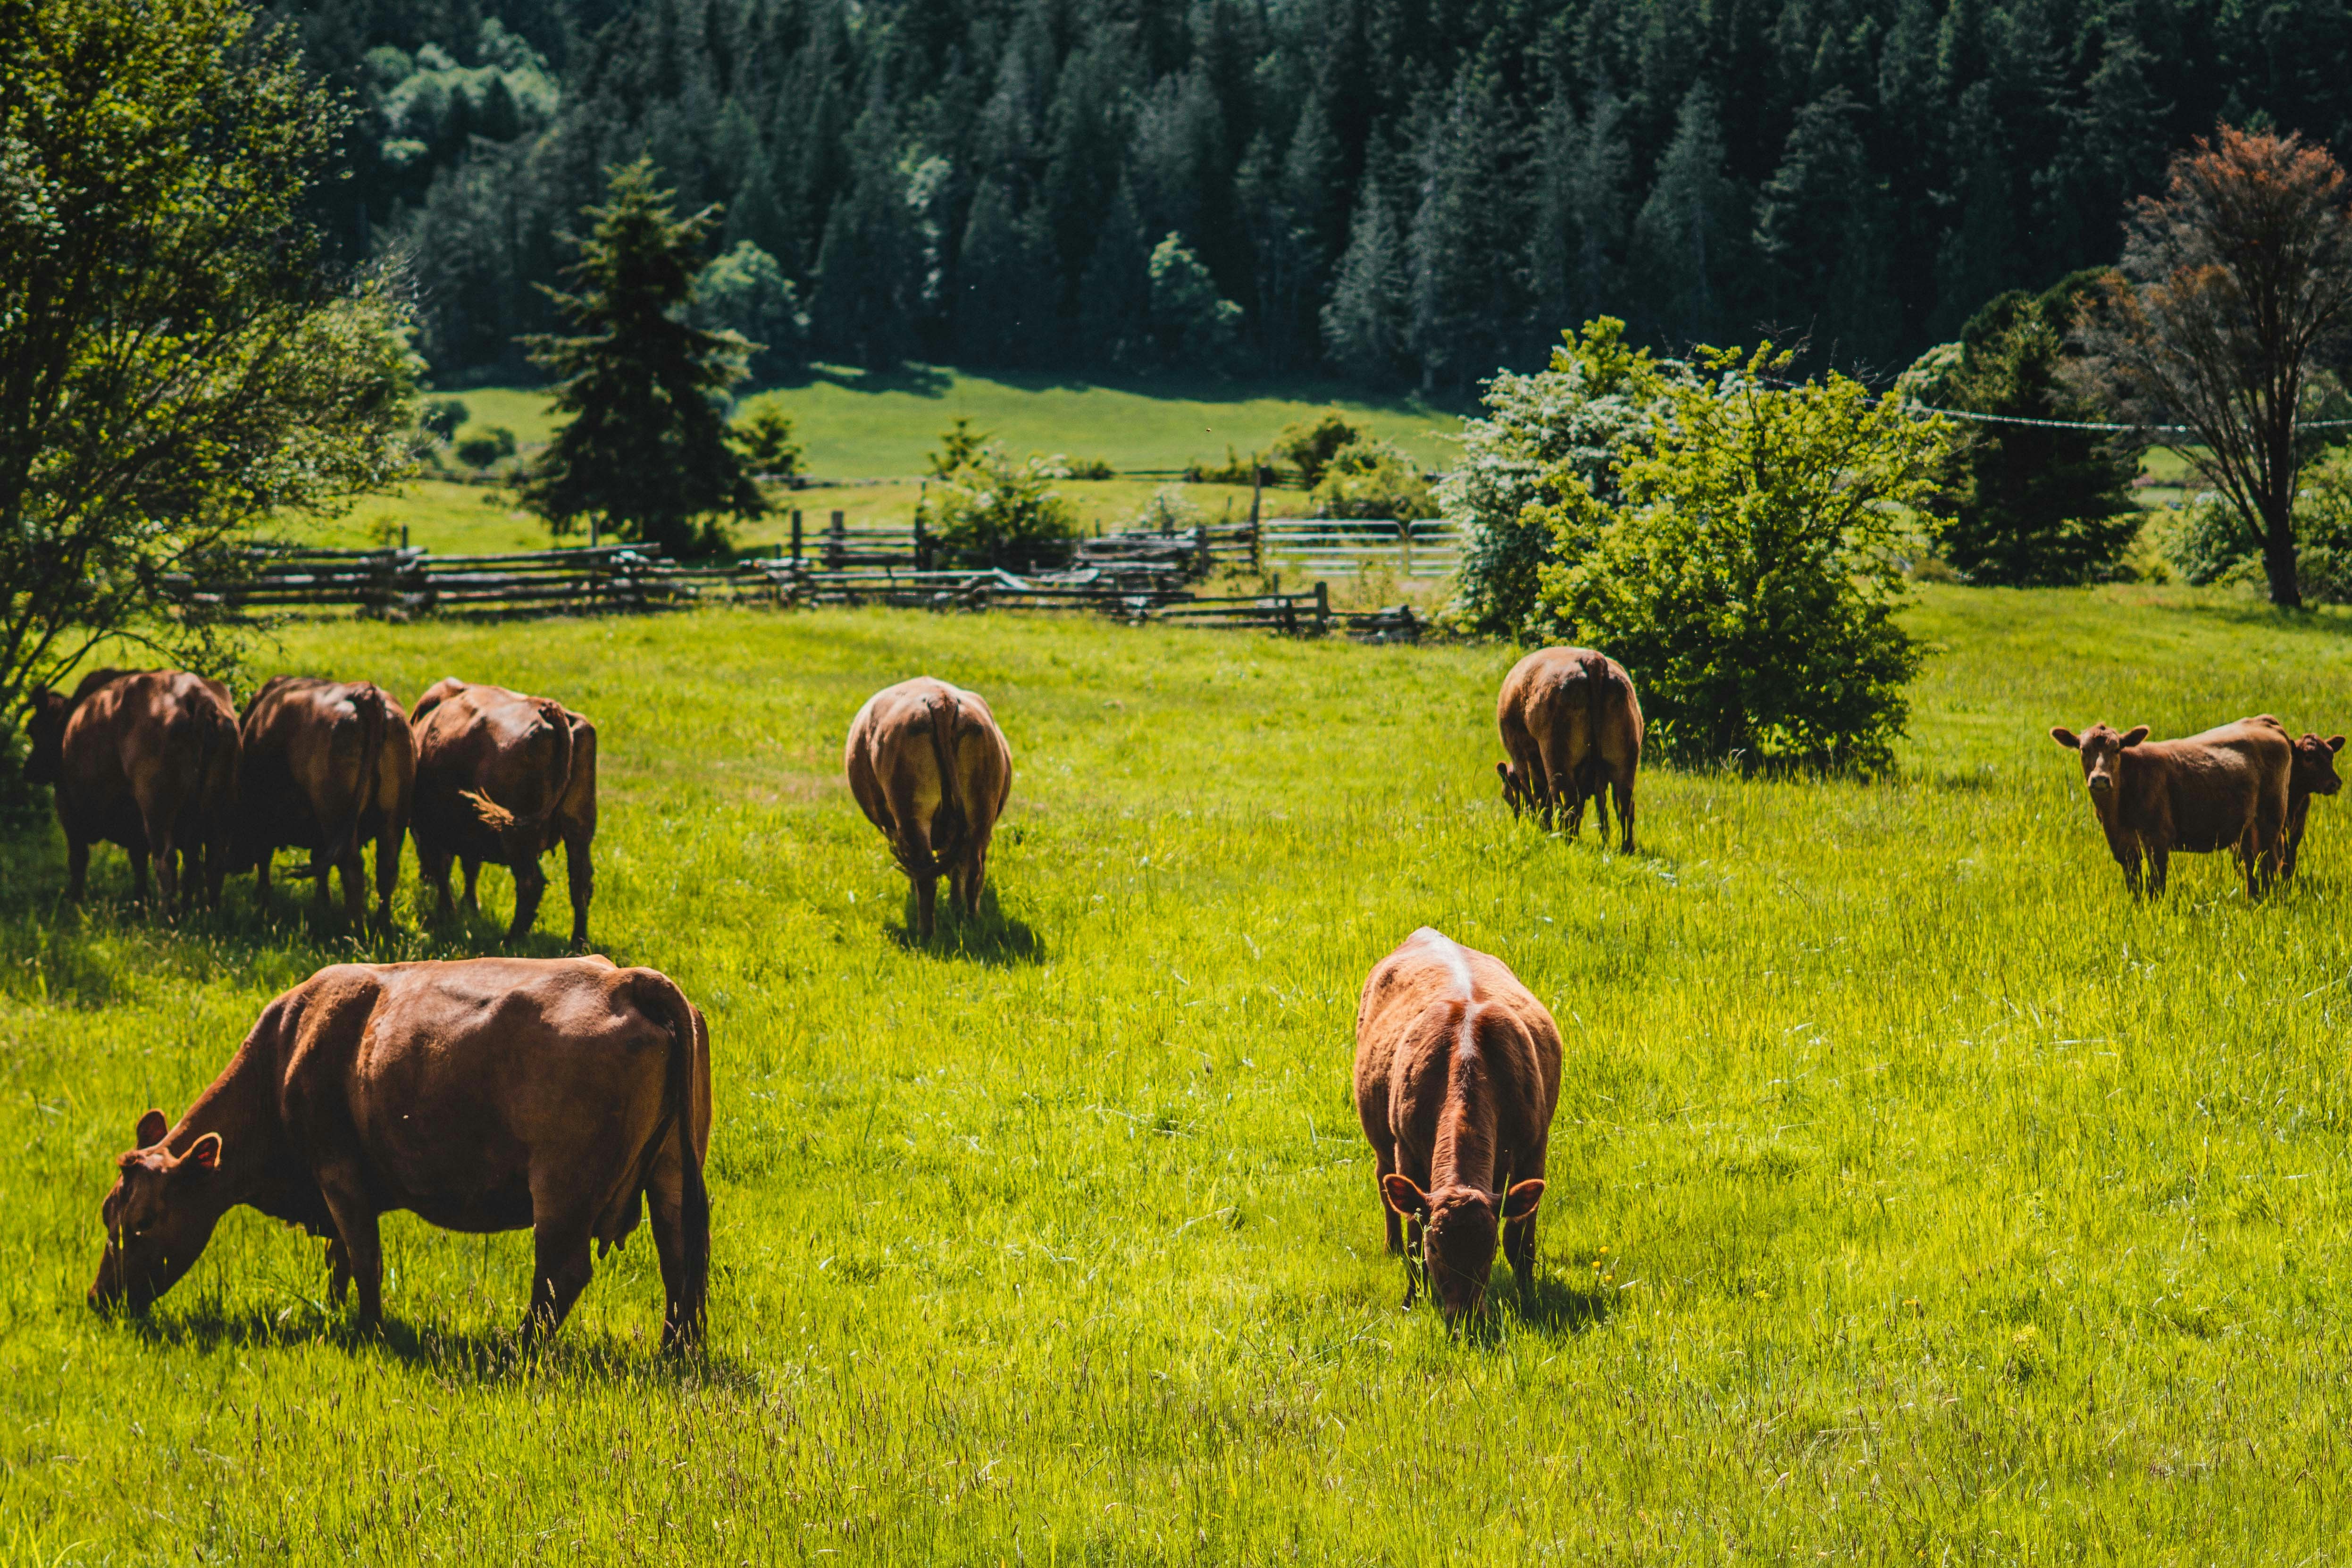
1573, 728
2223, 789
147, 760
1457, 1073
2312, 773
930, 768
486, 1095
504, 778
328, 768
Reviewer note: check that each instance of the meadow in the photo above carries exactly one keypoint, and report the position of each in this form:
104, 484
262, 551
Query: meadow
1914, 1194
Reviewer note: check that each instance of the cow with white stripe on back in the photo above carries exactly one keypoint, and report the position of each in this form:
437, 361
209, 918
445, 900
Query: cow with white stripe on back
1457, 1074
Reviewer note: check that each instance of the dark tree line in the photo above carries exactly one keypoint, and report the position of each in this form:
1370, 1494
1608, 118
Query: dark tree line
1404, 191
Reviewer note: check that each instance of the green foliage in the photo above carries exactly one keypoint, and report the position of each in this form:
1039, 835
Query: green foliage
991, 510
2207, 541
1597, 403
489, 445
1372, 478
1750, 577
2032, 505
178, 359
1169, 510
1235, 470
1191, 322
960, 444
764, 439
1310, 444
646, 447
442, 417
745, 292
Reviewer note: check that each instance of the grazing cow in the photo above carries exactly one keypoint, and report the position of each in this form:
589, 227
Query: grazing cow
1457, 1073
486, 1095
505, 778
2223, 789
328, 768
930, 768
1573, 729
2312, 773
147, 760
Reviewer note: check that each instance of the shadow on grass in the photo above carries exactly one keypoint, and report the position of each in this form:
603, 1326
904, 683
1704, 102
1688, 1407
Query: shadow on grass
1552, 1305
989, 937
479, 1356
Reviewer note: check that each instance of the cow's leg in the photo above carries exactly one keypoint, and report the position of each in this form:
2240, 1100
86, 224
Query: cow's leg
387, 869
433, 865
473, 869
665, 1200
1621, 786
355, 1228
580, 880
530, 886
138, 874
167, 873
927, 892
2159, 857
76, 867
323, 870
1599, 795
339, 1270
560, 1234
1383, 1165
1520, 1234
354, 873
261, 875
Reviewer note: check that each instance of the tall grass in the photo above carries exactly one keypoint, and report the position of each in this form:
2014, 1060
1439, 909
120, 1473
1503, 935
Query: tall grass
1915, 1196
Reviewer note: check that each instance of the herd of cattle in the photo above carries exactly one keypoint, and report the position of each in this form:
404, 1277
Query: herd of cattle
571, 1097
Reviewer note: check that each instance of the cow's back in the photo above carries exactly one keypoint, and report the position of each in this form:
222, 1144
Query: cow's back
924, 745
2213, 788
149, 740
1572, 704
1411, 1030
511, 749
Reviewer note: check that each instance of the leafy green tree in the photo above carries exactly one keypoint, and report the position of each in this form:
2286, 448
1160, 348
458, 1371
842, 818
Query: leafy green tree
2034, 504
1310, 444
1372, 478
991, 510
744, 292
442, 417
645, 448
490, 444
764, 437
1593, 406
1193, 324
1751, 578
1690, 238
959, 447
1822, 224
178, 359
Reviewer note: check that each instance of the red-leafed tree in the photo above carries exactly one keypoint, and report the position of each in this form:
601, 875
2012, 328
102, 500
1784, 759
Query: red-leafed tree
2234, 290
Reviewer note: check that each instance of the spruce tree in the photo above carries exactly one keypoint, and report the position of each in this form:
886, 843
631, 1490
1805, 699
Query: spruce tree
861, 311
1115, 293
1822, 226
1364, 325
1008, 283
645, 448
1690, 237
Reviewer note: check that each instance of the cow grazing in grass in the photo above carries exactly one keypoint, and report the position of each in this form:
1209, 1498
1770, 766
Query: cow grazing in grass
2312, 773
2223, 789
147, 760
492, 1094
1457, 1073
1572, 728
504, 778
930, 768
329, 768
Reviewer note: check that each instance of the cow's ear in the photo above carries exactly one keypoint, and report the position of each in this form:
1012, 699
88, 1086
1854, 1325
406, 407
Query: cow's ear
1403, 1197
1522, 1199
2334, 743
149, 1131
2134, 735
2067, 738
206, 1153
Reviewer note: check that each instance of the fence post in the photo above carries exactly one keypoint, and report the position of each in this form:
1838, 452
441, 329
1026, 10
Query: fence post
1404, 542
1322, 607
796, 534
837, 542
1201, 547
1257, 483
919, 563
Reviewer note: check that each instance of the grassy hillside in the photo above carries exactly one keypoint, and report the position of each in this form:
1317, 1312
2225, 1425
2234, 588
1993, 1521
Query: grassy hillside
856, 424
1915, 1196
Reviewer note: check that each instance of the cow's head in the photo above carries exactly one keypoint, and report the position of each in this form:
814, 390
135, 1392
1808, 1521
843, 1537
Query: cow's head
2314, 765
45, 713
2103, 755
1516, 794
1459, 1227
158, 1218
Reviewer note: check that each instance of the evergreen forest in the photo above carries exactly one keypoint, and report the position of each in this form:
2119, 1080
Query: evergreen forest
1406, 193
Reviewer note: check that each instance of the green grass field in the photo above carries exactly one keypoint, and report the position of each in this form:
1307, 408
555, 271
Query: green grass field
1915, 1197
854, 424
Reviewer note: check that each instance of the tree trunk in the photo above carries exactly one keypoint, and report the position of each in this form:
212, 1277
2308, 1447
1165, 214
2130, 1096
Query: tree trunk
2278, 554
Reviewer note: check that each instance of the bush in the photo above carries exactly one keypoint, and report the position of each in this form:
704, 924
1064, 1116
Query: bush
1593, 406
1065, 466
1234, 470
442, 417
1372, 478
2206, 542
1169, 510
1312, 443
745, 292
991, 510
1190, 324
764, 439
1751, 576
490, 444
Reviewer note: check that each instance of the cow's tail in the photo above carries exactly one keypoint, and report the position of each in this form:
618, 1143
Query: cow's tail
1600, 684
944, 713
661, 999
369, 702
497, 818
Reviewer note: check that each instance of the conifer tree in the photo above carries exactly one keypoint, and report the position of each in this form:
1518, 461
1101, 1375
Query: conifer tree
1690, 235
1364, 325
645, 446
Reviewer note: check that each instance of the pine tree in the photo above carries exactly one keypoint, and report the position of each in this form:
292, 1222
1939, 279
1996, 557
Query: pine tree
1364, 325
1691, 233
1465, 249
1008, 283
861, 310
1580, 211
1821, 224
645, 445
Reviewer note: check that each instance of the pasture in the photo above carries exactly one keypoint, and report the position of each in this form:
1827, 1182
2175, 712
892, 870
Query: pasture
1914, 1197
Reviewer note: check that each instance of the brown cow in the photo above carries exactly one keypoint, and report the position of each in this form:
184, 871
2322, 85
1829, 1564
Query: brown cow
2313, 772
328, 768
2223, 789
147, 760
505, 778
486, 1095
930, 768
1573, 728
1457, 1073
